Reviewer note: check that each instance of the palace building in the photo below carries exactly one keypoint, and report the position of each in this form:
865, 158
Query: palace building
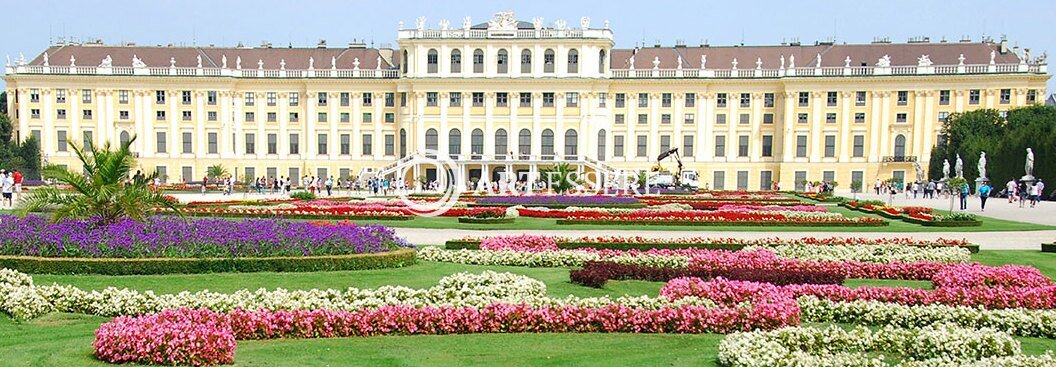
517, 96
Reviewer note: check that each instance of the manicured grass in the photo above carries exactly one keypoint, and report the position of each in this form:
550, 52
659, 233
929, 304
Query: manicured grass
65, 339
524, 223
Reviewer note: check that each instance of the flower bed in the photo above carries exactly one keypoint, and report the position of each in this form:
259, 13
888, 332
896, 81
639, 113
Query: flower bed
494, 220
169, 237
561, 201
596, 273
701, 218
733, 244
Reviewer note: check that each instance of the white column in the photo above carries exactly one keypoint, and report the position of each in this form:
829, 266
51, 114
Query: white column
537, 131
704, 123
885, 124
755, 147
654, 126
443, 100
48, 137
559, 125
284, 125
927, 136
143, 121
199, 124
105, 133
916, 139
230, 149
816, 117
846, 99
176, 142
630, 142
74, 114
489, 132
379, 121
733, 121
875, 125
108, 119
311, 120
23, 113
789, 132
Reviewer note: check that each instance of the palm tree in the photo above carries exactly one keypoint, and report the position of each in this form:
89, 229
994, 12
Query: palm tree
103, 191
561, 177
216, 172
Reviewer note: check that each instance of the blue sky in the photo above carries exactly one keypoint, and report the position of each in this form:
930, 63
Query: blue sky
30, 24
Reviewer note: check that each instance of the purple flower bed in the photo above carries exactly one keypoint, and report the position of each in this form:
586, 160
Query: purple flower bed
172, 237
567, 200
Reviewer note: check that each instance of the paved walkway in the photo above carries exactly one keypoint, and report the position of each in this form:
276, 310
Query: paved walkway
1029, 240
1043, 213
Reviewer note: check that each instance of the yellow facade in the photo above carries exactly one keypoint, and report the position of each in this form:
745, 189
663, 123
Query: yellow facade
738, 128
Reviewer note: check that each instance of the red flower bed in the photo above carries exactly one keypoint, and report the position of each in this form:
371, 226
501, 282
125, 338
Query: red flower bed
172, 337
720, 217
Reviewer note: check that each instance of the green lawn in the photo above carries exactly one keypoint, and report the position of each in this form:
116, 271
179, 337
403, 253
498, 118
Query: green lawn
65, 339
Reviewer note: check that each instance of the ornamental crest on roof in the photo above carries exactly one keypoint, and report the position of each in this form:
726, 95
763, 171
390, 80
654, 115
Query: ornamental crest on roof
503, 20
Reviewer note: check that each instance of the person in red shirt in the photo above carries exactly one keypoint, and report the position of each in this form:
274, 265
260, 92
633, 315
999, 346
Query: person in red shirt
18, 183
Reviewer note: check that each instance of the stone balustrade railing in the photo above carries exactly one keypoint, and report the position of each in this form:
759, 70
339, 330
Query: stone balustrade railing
204, 71
831, 71
498, 33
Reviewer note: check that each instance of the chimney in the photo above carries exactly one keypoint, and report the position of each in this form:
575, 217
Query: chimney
1003, 49
322, 44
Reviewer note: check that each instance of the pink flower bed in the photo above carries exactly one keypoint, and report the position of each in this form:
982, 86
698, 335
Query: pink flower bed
540, 243
973, 275
767, 260
201, 337
172, 337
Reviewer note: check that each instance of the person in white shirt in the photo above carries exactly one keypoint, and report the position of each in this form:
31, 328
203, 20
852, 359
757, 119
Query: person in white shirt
1036, 192
8, 188
1011, 189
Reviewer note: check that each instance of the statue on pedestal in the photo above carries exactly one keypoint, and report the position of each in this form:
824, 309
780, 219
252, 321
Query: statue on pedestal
959, 167
1029, 166
945, 169
982, 165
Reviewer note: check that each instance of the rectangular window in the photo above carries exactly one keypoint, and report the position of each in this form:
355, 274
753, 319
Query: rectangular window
903, 98
86, 114
691, 99
273, 144
619, 119
478, 99
185, 97
86, 96
944, 97
548, 99
186, 115
430, 99
295, 98
390, 99
368, 99
687, 146
188, 143
122, 96
572, 99
828, 176
368, 147
665, 118
322, 98
720, 100
830, 146
346, 144
830, 118
34, 113
800, 180
973, 96
502, 99
271, 98
321, 144
665, 100
526, 100
295, 144
621, 100
643, 143
858, 146
390, 144
943, 116
720, 145
742, 146
768, 118
251, 143
60, 136
768, 146
60, 96
859, 117
86, 140
746, 100
602, 99
211, 115
1006, 96
803, 118
211, 140
831, 99
368, 117
249, 98
159, 97
858, 176
210, 98
251, 117
742, 180
162, 144
188, 173
665, 143
643, 119
617, 145
60, 114
720, 119
768, 100
403, 99
718, 180
159, 115
321, 117
859, 98
801, 146
901, 117
643, 100
766, 180
745, 119
295, 117
804, 99
1032, 96
390, 117
123, 114
689, 118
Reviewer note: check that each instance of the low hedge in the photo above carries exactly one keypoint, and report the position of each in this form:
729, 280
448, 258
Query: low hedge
939, 223
148, 266
1048, 247
734, 224
471, 220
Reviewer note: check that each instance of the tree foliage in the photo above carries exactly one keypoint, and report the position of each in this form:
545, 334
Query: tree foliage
23, 156
561, 177
102, 192
1004, 139
216, 172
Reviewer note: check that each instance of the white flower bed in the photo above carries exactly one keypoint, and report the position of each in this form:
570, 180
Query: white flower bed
870, 253
458, 290
1016, 321
936, 345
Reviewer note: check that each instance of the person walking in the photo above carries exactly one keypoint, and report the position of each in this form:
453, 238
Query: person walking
18, 184
329, 186
8, 188
964, 197
1035, 193
984, 192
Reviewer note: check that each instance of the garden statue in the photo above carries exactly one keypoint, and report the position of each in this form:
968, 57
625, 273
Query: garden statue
982, 165
920, 171
1029, 166
959, 167
945, 169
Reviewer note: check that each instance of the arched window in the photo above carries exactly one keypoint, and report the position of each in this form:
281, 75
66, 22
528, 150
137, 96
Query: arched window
456, 61
526, 61
571, 144
454, 143
404, 61
500, 144
548, 144
432, 61
524, 143
403, 143
124, 137
478, 61
601, 145
573, 61
432, 142
601, 62
502, 62
548, 61
476, 143
900, 147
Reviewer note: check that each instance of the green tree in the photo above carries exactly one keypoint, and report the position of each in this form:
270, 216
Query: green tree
1004, 139
102, 192
3, 103
216, 172
561, 177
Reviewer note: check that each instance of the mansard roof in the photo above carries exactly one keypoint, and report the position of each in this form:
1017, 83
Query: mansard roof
212, 57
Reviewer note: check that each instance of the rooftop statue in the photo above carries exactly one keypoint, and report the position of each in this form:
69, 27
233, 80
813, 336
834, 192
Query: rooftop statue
108, 62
